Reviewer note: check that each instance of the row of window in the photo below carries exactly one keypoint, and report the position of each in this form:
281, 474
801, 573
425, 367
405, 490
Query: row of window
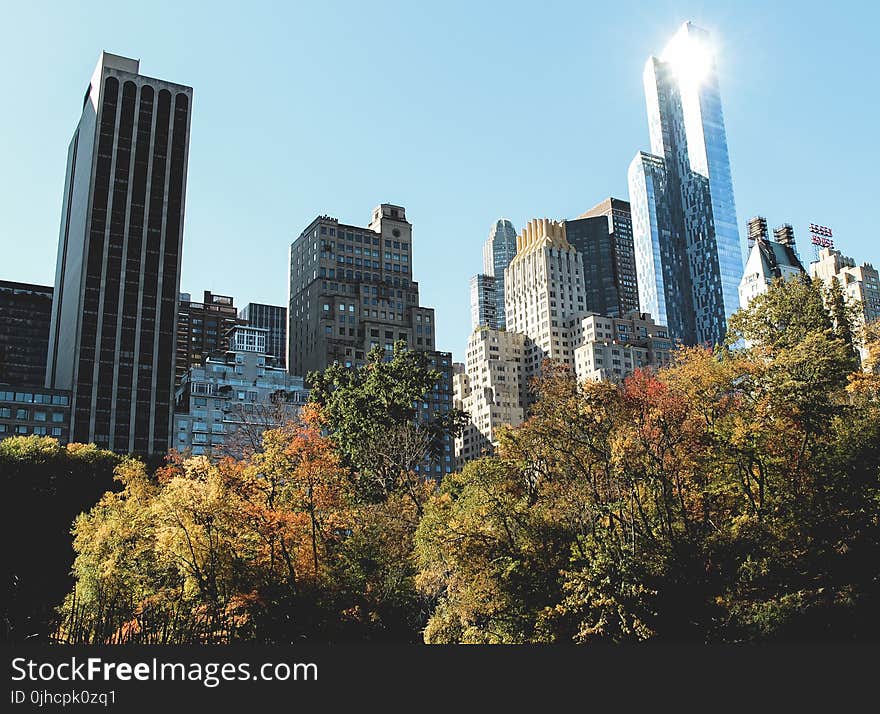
358, 238
24, 430
22, 414
35, 398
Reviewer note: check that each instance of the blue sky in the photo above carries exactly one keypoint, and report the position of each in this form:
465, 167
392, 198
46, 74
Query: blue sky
460, 111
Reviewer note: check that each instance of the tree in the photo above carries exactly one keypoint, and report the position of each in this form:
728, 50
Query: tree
270, 548
51, 484
783, 316
371, 416
731, 496
845, 318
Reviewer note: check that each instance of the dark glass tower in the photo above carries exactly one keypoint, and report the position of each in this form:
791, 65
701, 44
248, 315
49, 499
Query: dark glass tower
112, 337
25, 311
274, 319
603, 238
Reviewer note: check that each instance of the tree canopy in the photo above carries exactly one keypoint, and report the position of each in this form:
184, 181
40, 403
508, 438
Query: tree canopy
729, 497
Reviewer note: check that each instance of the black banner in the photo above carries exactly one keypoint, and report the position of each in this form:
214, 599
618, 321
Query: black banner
388, 678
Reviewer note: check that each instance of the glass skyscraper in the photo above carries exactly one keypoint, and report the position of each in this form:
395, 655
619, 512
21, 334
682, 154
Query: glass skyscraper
498, 251
684, 218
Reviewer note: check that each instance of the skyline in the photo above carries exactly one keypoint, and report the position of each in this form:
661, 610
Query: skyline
451, 217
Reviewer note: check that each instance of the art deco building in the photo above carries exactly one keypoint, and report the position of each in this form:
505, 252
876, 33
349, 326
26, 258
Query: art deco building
681, 194
498, 251
112, 336
547, 319
544, 288
351, 288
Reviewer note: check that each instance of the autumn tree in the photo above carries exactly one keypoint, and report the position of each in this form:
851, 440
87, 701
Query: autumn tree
45, 485
731, 496
273, 547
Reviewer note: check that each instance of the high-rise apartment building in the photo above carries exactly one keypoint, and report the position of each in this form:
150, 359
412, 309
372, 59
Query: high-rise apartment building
25, 314
203, 329
274, 319
544, 287
860, 283
768, 259
484, 303
603, 237
681, 194
498, 251
112, 336
224, 405
612, 348
491, 388
351, 289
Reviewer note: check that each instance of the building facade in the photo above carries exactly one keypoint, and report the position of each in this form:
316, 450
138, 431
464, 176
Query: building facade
612, 348
274, 319
223, 405
484, 302
25, 314
610, 275
544, 288
681, 194
114, 311
37, 411
202, 329
860, 283
498, 251
351, 289
768, 260
490, 386
436, 403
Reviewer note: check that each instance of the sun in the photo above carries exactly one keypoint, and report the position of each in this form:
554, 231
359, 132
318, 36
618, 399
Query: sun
690, 57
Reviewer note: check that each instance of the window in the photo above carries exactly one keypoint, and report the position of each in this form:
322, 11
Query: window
39, 416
